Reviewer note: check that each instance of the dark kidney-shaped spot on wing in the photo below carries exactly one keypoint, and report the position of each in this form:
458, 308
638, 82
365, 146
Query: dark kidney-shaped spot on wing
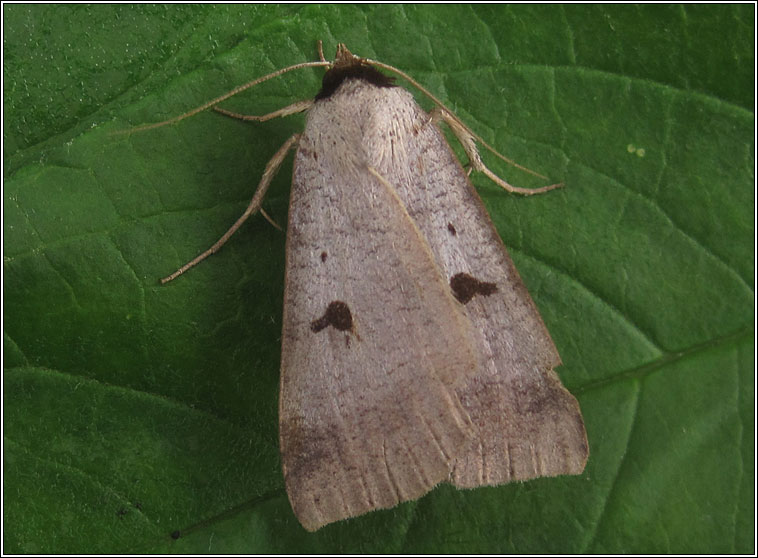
465, 287
337, 315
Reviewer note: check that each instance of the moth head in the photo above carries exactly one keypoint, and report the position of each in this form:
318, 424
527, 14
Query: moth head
348, 66
344, 57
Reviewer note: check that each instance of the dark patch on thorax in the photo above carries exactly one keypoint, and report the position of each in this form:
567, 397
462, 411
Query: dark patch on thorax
334, 78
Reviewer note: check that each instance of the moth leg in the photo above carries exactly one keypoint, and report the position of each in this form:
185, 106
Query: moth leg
223, 97
468, 141
255, 204
268, 218
294, 108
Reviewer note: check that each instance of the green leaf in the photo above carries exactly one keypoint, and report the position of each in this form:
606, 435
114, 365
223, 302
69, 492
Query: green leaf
133, 411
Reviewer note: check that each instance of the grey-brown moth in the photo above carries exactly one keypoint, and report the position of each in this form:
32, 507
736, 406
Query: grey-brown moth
412, 353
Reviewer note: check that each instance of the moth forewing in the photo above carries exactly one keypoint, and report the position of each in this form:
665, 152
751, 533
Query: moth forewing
527, 423
373, 344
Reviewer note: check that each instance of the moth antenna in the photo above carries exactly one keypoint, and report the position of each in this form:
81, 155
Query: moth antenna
452, 116
223, 97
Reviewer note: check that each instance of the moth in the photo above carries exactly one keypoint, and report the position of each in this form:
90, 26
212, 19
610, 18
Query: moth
412, 353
